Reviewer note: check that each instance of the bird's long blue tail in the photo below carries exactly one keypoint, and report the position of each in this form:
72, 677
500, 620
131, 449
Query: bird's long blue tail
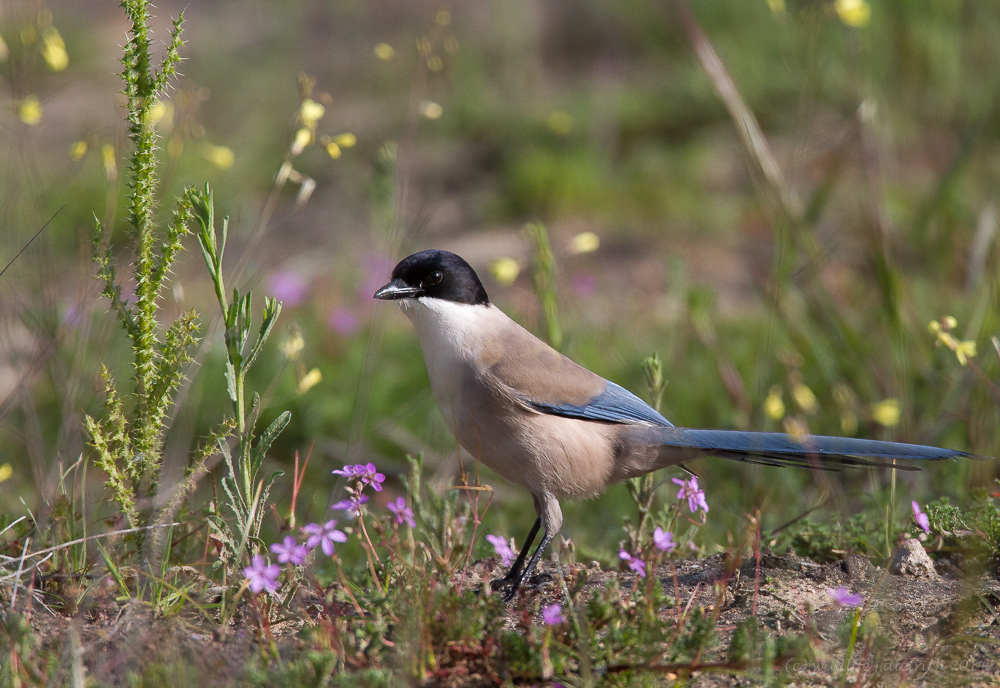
807, 451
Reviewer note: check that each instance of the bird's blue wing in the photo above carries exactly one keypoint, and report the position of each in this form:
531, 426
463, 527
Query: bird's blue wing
614, 405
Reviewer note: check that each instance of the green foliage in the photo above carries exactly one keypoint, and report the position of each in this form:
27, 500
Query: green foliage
129, 439
247, 497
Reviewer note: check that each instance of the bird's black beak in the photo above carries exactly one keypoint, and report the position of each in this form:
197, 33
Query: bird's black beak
396, 289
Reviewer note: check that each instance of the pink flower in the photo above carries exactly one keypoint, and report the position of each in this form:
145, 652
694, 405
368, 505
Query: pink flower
552, 615
634, 563
663, 539
351, 507
289, 287
343, 321
404, 514
262, 576
323, 536
920, 517
690, 491
288, 550
503, 550
843, 597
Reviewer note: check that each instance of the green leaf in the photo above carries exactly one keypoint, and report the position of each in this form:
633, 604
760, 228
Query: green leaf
268, 436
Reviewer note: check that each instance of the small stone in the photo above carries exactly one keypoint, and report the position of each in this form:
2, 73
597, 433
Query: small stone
910, 560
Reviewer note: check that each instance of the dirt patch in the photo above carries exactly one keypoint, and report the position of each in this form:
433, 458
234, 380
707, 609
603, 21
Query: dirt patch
933, 631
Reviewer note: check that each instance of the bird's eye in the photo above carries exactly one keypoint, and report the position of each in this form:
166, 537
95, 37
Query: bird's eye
435, 278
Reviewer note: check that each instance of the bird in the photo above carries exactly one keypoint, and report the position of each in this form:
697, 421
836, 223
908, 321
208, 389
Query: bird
546, 423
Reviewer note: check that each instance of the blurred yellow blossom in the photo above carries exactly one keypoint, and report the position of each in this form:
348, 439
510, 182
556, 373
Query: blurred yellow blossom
795, 427
303, 137
311, 112
54, 50
442, 18
964, 351
949, 322
435, 63
856, 13
220, 156
561, 123
777, 6
384, 51
5, 472
108, 158
886, 412
774, 406
162, 113
332, 149
30, 111
584, 242
431, 110
345, 140
805, 398
310, 380
505, 270
293, 346
77, 150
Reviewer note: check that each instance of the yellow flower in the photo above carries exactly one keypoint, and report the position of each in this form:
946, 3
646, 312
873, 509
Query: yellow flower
220, 156
795, 427
5, 472
293, 346
345, 140
774, 406
384, 52
332, 149
435, 63
303, 137
856, 13
30, 111
805, 398
933, 327
431, 110
162, 112
310, 380
505, 270
54, 50
777, 6
584, 242
77, 150
964, 351
949, 322
442, 18
886, 412
311, 112
108, 158
561, 123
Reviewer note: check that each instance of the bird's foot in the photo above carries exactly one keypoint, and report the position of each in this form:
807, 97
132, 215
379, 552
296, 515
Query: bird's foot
508, 587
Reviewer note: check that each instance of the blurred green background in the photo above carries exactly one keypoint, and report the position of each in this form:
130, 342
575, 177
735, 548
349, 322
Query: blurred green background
472, 119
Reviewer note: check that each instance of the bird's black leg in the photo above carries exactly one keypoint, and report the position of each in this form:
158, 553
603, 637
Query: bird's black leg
516, 580
515, 570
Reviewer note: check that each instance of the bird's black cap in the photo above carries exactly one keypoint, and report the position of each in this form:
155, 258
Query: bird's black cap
435, 274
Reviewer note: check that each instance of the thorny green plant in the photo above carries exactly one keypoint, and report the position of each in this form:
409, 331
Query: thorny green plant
128, 440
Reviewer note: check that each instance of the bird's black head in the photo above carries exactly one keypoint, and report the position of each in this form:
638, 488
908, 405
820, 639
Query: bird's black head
435, 274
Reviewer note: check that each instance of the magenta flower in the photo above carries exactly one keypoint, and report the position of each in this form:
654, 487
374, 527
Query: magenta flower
634, 563
262, 576
289, 287
843, 597
404, 514
352, 506
343, 321
552, 615
920, 517
503, 550
663, 539
364, 473
288, 550
323, 536
690, 491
